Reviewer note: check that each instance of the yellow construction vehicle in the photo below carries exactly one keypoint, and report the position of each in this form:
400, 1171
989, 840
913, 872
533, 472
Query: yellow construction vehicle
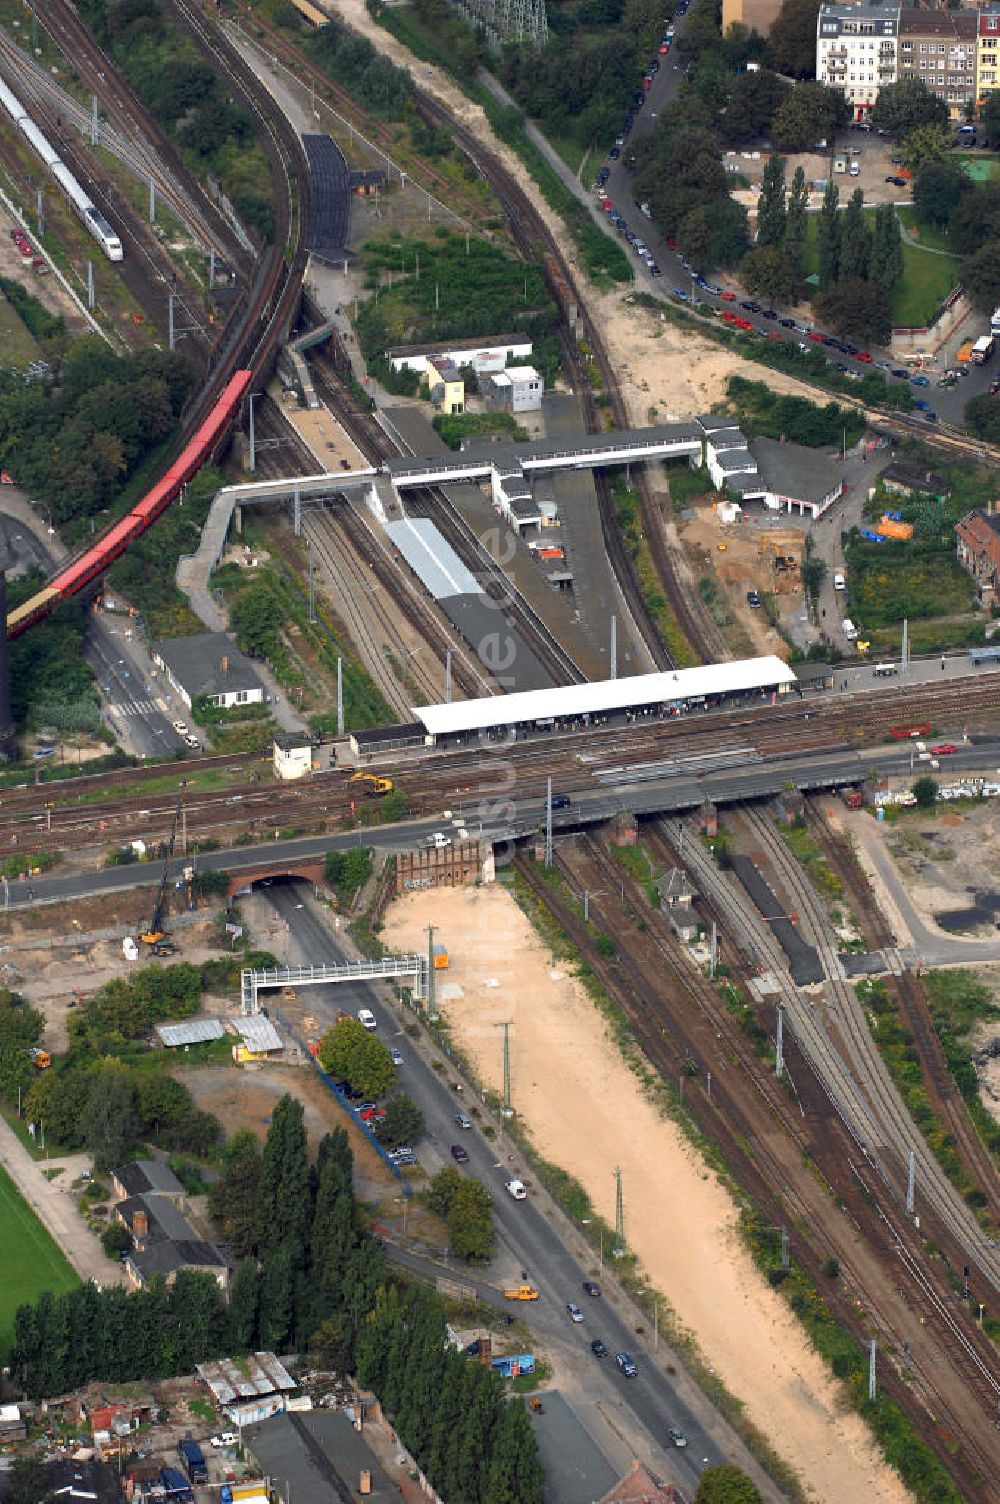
521, 1292
40, 1059
375, 787
156, 935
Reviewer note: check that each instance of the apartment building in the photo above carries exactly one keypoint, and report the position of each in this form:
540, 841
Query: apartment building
939, 48
857, 51
987, 64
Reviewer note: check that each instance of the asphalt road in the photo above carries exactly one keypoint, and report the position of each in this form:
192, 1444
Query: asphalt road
947, 403
646, 788
526, 1233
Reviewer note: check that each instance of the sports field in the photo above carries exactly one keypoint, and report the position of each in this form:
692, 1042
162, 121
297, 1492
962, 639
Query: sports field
30, 1262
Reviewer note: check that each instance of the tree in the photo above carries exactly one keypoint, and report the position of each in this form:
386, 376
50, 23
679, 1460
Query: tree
793, 38
515, 1474
332, 1343
902, 107
767, 272
990, 118
829, 237
982, 417
753, 99
115, 1239
855, 241
284, 1201
442, 1188
338, 1046
256, 618
714, 234
726, 1484
981, 276
886, 266
470, 1221
26, 1482
925, 791
232, 1200
795, 223
771, 204
244, 1298
857, 311
939, 188
925, 144
808, 114
403, 1122
110, 1118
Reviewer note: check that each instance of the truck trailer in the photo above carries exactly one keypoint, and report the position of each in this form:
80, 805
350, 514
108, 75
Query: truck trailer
193, 1460
983, 349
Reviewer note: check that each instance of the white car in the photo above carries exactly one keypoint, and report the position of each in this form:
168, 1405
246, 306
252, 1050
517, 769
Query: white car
839, 583
367, 1018
225, 1439
516, 1189
180, 727
849, 629
193, 742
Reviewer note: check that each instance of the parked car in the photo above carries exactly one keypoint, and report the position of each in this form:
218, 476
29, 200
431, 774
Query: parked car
225, 1439
753, 600
900, 374
920, 381
944, 749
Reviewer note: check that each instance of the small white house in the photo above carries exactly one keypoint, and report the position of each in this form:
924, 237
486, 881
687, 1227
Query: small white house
292, 756
211, 666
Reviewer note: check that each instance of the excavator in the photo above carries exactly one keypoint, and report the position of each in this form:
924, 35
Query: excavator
155, 935
375, 786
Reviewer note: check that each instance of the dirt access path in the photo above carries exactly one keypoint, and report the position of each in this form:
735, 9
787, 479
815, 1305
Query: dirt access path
664, 371
679, 1220
55, 1205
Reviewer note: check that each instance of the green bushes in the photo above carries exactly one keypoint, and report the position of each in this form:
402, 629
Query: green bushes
33, 314
763, 412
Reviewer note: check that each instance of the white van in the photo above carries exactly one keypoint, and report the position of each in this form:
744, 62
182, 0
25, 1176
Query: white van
855, 169
839, 583
849, 629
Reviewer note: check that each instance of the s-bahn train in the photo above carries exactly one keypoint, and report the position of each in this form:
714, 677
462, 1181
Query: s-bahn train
92, 563
92, 217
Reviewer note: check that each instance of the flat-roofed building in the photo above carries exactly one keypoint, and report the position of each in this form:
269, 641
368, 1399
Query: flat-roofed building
988, 51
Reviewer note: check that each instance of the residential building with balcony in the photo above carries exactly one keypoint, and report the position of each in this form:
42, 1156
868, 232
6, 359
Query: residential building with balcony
857, 52
988, 51
939, 47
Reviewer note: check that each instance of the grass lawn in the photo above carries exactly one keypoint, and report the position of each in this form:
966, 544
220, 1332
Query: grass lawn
17, 344
926, 234
31, 1261
981, 168
927, 278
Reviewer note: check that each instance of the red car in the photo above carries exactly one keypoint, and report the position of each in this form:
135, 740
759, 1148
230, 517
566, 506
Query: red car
663, 48
944, 749
864, 357
744, 324
607, 206
728, 316
728, 297
370, 1114
773, 334
815, 335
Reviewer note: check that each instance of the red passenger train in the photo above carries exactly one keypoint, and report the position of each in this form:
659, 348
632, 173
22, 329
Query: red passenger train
92, 563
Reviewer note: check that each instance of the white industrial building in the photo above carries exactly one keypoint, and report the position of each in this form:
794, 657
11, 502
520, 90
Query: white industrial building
489, 354
857, 52
782, 477
518, 389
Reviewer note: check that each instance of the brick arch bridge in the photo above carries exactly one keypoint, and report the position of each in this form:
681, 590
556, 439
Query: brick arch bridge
311, 869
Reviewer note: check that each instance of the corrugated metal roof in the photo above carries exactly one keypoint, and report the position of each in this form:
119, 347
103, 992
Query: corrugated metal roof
195, 1031
245, 1378
259, 1034
606, 697
432, 560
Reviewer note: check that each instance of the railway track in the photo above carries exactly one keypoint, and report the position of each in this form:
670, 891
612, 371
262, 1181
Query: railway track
911, 1000
836, 1040
773, 1144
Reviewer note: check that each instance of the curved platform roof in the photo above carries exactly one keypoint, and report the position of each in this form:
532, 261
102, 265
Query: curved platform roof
607, 697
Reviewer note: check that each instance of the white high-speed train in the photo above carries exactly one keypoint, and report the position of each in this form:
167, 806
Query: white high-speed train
91, 216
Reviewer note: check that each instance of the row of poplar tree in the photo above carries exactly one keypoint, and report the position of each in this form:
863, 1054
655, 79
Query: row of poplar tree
311, 1279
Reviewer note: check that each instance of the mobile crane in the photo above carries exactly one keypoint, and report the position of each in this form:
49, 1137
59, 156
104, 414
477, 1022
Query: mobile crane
156, 936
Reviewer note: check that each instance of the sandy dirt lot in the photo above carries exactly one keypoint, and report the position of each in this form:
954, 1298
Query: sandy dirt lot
599, 1118
48, 290
245, 1098
746, 562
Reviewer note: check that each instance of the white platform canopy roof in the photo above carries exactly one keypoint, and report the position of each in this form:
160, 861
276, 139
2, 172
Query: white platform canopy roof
606, 697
